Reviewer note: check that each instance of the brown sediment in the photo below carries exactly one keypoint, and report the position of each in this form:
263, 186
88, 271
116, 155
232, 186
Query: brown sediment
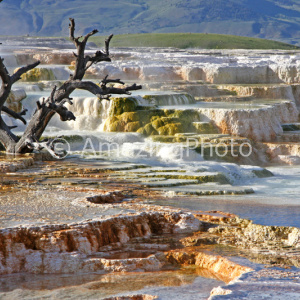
215, 217
72, 248
245, 234
15, 164
225, 269
83, 238
272, 245
133, 297
109, 197
77, 247
167, 234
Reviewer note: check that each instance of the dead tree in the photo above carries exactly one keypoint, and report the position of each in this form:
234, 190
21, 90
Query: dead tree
30, 140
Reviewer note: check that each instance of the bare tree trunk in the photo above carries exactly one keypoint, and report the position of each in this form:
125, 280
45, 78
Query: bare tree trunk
7, 138
46, 109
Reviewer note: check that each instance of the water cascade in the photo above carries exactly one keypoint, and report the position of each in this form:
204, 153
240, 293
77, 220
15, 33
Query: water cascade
201, 127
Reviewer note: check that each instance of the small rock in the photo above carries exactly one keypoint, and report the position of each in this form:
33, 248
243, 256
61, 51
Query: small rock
188, 223
110, 197
219, 291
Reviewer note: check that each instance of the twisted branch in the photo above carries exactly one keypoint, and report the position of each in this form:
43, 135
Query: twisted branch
17, 75
64, 113
49, 144
17, 116
46, 108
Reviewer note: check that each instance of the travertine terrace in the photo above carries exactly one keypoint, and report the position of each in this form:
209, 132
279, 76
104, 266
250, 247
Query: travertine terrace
126, 218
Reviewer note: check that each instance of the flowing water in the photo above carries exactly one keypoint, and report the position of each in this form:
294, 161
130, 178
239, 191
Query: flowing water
275, 200
183, 284
277, 196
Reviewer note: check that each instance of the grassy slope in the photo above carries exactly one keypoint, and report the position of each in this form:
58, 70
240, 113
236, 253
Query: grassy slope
192, 40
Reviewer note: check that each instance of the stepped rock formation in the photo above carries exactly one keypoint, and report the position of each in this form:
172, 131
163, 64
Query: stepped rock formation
226, 75
226, 270
225, 67
66, 248
100, 214
262, 124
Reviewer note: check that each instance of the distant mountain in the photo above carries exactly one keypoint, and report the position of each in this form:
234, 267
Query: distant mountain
272, 19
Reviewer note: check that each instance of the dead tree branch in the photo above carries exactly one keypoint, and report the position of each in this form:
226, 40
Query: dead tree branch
54, 104
15, 115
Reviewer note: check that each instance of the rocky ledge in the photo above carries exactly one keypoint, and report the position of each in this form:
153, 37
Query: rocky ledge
276, 245
98, 245
153, 238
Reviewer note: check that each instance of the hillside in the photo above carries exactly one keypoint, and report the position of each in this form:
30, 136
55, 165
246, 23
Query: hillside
272, 19
192, 40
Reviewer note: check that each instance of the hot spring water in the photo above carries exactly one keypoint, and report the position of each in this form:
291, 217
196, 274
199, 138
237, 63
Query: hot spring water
132, 147
275, 201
